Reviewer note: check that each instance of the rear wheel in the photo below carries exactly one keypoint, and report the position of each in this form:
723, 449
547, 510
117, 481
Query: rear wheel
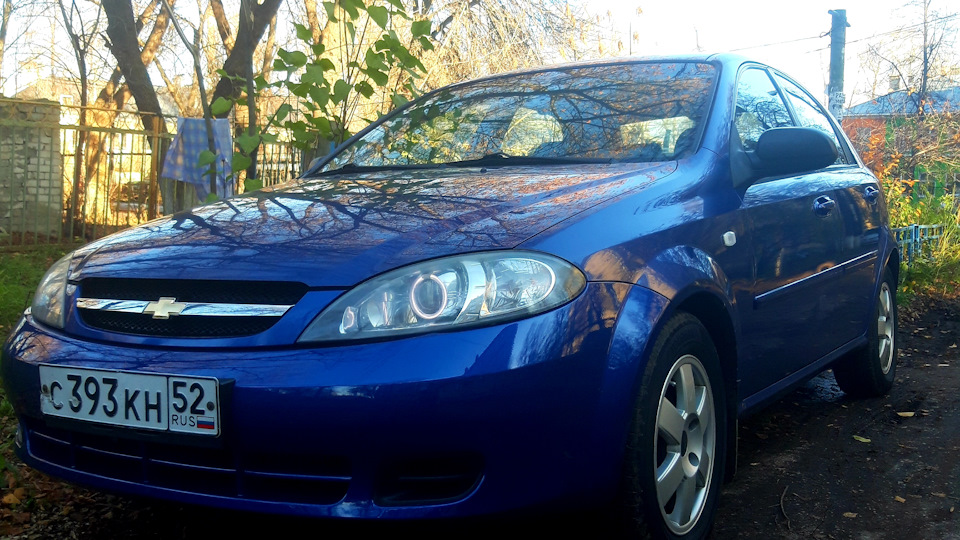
870, 371
676, 454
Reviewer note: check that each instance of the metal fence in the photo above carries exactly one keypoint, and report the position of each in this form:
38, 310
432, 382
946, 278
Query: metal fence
917, 241
64, 177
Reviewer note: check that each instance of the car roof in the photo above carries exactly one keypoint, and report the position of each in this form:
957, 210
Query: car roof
725, 59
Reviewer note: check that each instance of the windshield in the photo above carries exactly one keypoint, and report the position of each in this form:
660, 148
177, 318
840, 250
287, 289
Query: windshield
624, 112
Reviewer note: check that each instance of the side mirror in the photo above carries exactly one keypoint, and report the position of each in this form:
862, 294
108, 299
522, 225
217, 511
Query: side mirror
793, 150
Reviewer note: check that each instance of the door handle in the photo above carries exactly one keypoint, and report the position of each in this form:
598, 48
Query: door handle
824, 205
871, 194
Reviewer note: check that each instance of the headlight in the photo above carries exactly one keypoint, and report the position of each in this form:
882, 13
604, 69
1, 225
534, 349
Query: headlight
51, 296
477, 288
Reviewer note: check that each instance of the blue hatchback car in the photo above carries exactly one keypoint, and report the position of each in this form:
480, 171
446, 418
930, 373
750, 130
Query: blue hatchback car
554, 288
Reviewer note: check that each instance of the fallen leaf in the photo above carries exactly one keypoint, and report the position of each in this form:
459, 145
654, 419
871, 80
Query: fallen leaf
20, 493
938, 494
943, 365
951, 509
906, 414
861, 439
899, 499
849, 514
11, 499
954, 346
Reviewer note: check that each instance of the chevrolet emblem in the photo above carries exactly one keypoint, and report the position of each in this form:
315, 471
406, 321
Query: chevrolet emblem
164, 308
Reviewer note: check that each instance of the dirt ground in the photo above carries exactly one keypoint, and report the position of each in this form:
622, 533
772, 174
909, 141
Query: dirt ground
815, 465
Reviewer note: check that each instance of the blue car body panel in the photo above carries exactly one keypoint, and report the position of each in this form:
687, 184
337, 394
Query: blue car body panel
527, 413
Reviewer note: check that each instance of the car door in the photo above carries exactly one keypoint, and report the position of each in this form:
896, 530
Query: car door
796, 246
859, 208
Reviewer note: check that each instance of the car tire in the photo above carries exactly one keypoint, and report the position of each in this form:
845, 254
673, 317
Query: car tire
869, 372
677, 447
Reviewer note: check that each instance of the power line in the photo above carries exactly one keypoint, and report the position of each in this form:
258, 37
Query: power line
825, 34
779, 43
894, 31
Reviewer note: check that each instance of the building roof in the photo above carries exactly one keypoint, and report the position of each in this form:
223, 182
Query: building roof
904, 103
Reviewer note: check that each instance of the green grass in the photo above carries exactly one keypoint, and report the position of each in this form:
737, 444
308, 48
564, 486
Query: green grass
939, 274
20, 272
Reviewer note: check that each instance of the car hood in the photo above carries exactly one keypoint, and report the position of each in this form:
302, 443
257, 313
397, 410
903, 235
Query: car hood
337, 231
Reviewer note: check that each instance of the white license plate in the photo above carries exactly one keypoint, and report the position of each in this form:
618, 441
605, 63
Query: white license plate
138, 400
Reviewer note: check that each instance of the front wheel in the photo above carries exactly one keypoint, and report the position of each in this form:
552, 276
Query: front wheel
869, 372
677, 449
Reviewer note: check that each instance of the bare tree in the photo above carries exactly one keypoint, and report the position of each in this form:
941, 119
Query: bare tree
238, 67
6, 11
81, 39
122, 31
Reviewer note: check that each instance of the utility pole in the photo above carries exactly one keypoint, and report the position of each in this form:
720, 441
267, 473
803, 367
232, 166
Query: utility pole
838, 42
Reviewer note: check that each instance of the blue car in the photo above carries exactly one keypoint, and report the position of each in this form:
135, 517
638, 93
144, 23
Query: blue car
558, 288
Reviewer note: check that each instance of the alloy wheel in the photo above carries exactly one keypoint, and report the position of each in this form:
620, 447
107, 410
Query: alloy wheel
685, 444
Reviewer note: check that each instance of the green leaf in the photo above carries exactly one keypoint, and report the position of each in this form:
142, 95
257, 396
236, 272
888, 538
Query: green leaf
313, 75
206, 158
378, 77
352, 7
397, 4
374, 60
364, 88
420, 28
282, 112
327, 64
279, 65
211, 198
861, 439
220, 106
340, 90
318, 49
260, 82
248, 143
240, 161
320, 95
379, 14
299, 90
303, 33
323, 126
331, 8
426, 43
269, 138
252, 184
399, 100
294, 58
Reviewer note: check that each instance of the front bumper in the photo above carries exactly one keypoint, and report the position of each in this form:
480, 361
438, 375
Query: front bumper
439, 425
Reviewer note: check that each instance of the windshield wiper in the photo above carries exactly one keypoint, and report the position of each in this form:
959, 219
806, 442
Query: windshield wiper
354, 168
500, 159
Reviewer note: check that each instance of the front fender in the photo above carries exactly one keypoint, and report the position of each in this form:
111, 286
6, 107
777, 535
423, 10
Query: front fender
675, 280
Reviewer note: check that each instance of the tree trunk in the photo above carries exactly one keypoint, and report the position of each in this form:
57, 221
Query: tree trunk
132, 62
240, 60
223, 25
122, 31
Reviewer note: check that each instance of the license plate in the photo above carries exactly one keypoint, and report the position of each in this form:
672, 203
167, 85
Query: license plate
137, 400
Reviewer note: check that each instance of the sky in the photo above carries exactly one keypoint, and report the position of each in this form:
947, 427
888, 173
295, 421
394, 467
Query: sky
785, 35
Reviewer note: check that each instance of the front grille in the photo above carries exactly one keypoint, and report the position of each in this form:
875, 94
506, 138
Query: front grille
208, 471
234, 293
192, 327
195, 290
